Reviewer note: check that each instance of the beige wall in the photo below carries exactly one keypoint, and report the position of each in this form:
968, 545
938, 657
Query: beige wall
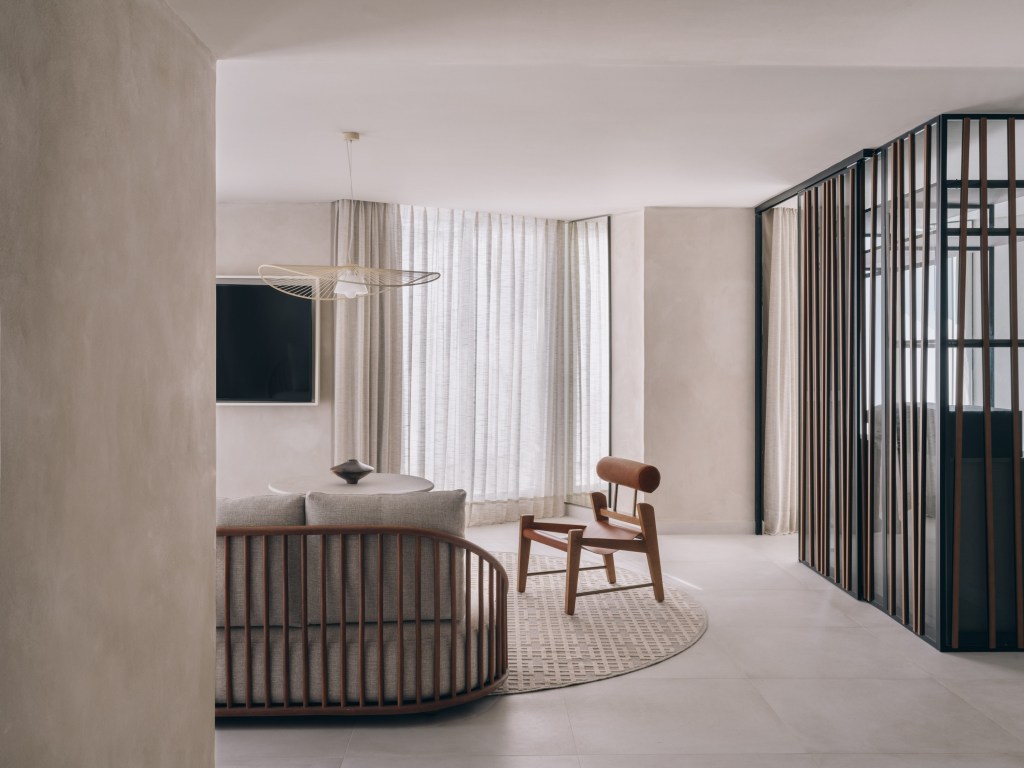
259, 443
699, 366
626, 269
106, 386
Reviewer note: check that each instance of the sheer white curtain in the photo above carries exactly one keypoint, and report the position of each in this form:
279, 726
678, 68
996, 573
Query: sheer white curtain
484, 385
494, 378
589, 354
368, 369
781, 275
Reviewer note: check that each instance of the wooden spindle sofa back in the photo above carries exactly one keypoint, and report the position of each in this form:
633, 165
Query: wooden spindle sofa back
354, 619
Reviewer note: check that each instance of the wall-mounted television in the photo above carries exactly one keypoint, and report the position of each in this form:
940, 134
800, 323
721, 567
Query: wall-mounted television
266, 345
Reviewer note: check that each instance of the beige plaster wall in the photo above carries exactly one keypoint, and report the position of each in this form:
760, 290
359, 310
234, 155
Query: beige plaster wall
626, 268
106, 386
259, 443
699, 366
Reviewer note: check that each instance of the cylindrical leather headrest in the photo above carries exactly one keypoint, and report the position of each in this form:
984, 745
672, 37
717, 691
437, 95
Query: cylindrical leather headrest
632, 474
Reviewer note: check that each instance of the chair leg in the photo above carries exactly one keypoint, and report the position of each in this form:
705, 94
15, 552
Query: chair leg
572, 569
609, 567
524, 553
646, 513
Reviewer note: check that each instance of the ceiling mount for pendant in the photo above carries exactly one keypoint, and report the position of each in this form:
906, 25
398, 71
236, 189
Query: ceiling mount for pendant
349, 137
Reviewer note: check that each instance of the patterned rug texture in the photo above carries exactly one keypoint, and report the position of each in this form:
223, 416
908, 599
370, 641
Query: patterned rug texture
610, 634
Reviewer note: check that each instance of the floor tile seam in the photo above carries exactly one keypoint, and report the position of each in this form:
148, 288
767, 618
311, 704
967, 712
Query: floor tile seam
786, 728
776, 753
483, 756
803, 588
1013, 737
809, 754
572, 731
998, 725
837, 678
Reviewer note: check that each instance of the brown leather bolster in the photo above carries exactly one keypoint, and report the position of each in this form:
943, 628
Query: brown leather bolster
632, 474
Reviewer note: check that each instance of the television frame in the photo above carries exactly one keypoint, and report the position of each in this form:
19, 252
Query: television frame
315, 310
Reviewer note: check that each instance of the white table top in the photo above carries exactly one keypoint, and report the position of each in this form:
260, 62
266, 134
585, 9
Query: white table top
328, 482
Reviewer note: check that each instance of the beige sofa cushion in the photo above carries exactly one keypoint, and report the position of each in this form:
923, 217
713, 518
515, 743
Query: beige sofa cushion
260, 511
437, 511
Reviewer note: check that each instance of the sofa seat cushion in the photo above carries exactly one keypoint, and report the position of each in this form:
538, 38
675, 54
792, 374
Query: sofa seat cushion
272, 510
417, 661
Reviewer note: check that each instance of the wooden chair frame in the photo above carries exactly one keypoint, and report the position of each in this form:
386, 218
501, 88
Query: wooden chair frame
636, 532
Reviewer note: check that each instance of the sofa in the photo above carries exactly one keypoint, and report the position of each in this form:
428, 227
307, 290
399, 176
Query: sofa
351, 605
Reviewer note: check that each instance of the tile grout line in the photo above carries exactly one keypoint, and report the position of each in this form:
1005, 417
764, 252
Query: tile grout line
998, 725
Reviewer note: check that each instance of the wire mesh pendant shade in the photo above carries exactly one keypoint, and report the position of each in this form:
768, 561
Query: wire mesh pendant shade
347, 281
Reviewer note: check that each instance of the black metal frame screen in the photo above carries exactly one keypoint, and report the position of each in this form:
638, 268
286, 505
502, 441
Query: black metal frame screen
910, 486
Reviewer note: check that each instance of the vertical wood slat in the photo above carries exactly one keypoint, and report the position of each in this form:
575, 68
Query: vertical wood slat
870, 505
890, 353
467, 617
1011, 175
986, 378
826, 368
266, 621
361, 622
913, 483
323, 620
810, 392
305, 621
229, 678
848, 387
842, 386
285, 623
806, 460
248, 627
452, 623
922, 492
418, 581
822, 401
836, 437
833, 435
492, 647
901, 288
437, 620
958, 439
814, 503
360, 625
399, 590
862, 406
480, 611
380, 620
804, 475
849, 376
342, 626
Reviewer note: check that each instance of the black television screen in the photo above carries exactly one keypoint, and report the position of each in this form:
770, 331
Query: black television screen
266, 345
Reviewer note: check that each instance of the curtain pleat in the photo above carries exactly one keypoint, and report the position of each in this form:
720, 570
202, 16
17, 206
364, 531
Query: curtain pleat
368, 373
781, 368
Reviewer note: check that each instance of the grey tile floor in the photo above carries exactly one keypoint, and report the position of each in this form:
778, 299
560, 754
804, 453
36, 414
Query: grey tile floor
791, 672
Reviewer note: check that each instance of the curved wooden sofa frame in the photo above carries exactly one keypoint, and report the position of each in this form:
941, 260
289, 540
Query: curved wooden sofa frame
483, 594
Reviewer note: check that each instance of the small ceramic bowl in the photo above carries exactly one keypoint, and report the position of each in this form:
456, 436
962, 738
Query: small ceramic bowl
352, 471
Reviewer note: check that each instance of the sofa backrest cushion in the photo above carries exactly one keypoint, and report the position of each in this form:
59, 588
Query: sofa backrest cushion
436, 510
260, 511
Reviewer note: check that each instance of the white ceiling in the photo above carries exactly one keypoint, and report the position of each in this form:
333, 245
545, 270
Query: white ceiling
572, 108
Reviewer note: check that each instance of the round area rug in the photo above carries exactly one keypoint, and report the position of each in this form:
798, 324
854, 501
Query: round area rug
609, 635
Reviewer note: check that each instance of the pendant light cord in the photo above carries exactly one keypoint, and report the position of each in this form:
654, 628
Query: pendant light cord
351, 192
